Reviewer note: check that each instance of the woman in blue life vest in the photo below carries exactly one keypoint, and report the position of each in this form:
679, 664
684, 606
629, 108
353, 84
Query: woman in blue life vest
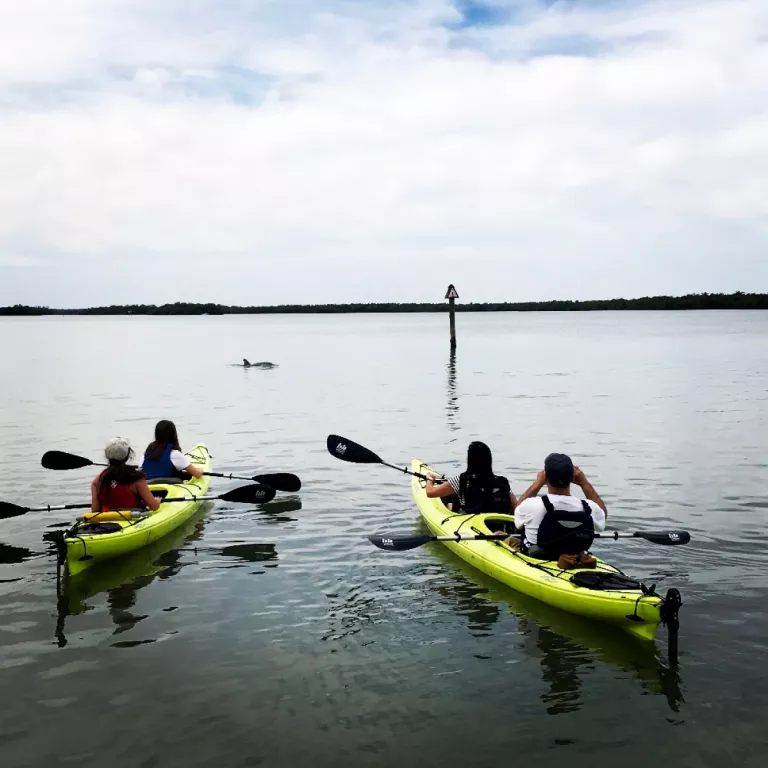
163, 457
477, 489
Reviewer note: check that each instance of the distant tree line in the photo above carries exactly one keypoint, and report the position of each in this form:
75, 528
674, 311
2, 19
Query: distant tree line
736, 300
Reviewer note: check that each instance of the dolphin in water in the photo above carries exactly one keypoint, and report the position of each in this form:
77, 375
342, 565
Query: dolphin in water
263, 364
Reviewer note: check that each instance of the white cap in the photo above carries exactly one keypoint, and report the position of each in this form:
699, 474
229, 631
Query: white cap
118, 449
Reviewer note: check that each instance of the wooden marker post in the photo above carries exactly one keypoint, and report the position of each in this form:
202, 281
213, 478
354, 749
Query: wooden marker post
451, 294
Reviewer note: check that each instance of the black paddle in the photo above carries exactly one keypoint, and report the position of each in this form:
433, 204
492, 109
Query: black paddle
245, 494
348, 450
281, 481
403, 543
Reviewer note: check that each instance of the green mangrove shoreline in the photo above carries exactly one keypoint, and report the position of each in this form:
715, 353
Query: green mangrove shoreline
699, 301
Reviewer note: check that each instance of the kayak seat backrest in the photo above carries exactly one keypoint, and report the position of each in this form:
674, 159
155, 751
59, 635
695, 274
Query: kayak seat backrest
500, 524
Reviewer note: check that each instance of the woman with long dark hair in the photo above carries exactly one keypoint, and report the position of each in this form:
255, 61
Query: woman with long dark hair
477, 489
120, 486
163, 457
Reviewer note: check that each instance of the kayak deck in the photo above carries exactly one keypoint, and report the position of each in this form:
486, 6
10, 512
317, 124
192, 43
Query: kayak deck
631, 610
85, 549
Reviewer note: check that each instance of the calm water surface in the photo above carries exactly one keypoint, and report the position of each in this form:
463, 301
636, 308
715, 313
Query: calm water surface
279, 636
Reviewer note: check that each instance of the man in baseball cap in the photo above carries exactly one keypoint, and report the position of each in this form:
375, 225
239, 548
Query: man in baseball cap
565, 521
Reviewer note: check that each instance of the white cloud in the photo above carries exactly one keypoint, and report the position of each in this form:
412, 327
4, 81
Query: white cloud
364, 148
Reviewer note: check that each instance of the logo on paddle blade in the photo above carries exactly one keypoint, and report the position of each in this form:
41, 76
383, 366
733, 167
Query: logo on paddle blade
341, 449
674, 537
387, 543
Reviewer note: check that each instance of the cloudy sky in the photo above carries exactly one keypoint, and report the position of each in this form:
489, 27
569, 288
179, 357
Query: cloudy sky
271, 151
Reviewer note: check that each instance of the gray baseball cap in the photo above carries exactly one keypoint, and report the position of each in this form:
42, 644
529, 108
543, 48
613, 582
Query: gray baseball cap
118, 449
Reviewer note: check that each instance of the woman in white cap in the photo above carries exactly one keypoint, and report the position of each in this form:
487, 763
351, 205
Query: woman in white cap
120, 486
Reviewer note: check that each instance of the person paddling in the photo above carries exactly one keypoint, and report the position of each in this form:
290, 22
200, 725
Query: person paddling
163, 457
477, 489
120, 486
558, 523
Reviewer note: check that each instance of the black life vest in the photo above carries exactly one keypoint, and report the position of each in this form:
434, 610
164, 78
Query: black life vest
477, 495
565, 532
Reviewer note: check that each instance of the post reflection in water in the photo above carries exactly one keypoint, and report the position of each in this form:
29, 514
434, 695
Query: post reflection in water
122, 578
569, 647
452, 409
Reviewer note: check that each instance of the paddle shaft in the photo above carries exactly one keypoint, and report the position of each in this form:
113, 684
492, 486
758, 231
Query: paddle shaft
404, 543
60, 460
406, 471
56, 507
491, 536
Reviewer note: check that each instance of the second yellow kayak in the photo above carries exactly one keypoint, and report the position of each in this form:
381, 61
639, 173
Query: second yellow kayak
632, 610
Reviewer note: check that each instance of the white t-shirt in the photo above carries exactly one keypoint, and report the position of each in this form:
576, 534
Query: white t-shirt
179, 460
531, 512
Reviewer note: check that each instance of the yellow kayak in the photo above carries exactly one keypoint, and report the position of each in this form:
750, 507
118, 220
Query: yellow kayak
102, 536
632, 610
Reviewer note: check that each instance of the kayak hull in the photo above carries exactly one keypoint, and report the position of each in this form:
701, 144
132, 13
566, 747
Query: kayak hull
85, 550
630, 610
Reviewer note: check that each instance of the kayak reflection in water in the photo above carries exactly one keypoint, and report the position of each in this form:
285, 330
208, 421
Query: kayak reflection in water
562, 524
477, 489
163, 457
120, 486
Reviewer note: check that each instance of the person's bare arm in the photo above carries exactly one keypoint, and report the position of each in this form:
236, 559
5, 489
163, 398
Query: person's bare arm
146, 495
95, 507
437, 491
581, 480
194, 470
534, 488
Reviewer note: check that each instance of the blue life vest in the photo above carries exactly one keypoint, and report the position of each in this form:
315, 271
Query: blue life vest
162, 467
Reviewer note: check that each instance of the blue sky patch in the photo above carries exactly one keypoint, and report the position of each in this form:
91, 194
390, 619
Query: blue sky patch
478, 14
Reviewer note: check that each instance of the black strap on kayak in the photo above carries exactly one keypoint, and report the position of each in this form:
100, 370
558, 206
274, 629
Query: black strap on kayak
604, 580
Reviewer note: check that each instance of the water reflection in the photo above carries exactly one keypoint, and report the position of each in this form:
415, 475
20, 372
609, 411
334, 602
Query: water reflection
122, 578
349, 613
452, 408
252, 553
10, 555
481, 614
567, 646
276, 511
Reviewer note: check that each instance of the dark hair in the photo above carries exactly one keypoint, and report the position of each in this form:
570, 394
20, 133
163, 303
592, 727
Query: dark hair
558, 468
165, 435
479, 460
121, 473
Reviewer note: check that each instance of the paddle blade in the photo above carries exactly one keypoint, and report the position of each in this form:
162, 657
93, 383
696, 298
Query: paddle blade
11, 510
61, 460
249, 494
280, 481
399, 543
665, 538
348, 450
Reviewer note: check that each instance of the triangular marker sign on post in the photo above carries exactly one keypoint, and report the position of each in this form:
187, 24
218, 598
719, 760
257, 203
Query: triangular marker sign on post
451, 293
